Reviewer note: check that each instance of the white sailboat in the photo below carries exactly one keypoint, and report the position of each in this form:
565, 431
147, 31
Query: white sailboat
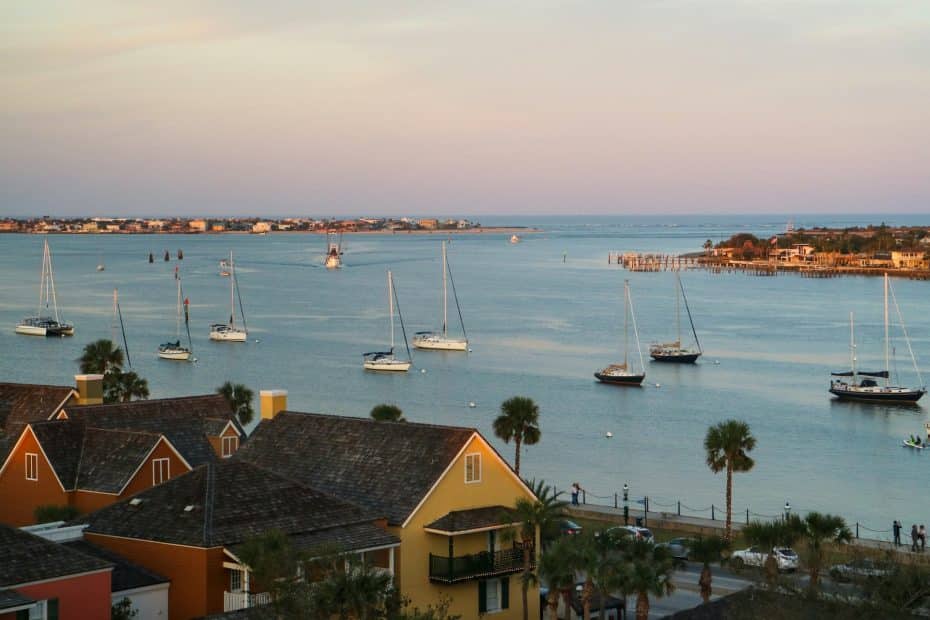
333, 258
440, 340
175, 350
623, 374
386, 360
43, 323
869, 388
229, 332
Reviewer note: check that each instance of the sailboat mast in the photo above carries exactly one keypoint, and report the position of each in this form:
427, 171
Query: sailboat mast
391, 306
42, 280
51, 281
626, 320
445, 300
232, 291
177, 328
678, 310
852, 346
887, 374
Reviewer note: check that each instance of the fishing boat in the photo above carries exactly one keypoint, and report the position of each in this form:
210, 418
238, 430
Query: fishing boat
229, 332
861, 385
333, 258
440, 341
46, 321
175, 351
673, 352
623, 374
386, 360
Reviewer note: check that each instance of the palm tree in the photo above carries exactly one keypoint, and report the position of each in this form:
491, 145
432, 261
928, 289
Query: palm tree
519, 420
650, 574
387, 413
707, 549
768, 536
101, 357
610, 571
727, 445
239, 398
557, 566
122, 387
532, 516
817, 529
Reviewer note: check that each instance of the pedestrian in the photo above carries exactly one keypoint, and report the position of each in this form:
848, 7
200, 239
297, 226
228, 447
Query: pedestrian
576, 489
896, 528
914, 535
922, 534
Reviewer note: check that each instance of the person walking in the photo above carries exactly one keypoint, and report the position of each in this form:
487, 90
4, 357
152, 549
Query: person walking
576, 489
896, 528
922, 535
914, 536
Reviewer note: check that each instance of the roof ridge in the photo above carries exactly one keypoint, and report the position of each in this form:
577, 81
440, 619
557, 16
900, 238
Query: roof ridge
208, 504
77, 470
406, 423
130, 431
149, 401
28, 385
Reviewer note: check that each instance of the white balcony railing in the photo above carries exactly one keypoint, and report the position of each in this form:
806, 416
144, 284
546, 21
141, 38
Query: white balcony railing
233, 601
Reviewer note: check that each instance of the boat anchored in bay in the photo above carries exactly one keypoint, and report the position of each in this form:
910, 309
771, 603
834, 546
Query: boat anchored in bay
386, 360
623, 374
440, 341
175, 351
230, 332
673, 352
45, 324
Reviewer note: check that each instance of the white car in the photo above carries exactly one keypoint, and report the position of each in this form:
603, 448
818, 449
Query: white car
637, 533
786, 558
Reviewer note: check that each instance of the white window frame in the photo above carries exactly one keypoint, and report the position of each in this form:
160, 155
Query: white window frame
233, 574
496, 585
156, 468
32, 464
233, 441
475, 459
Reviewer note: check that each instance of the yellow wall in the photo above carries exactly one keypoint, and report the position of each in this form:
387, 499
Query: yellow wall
498, 486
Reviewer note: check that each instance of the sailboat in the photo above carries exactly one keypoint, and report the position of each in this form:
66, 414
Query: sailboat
868, 388
441, 340
622, 374
333, 258
45, 324
386, 360
175, 350
673, 352
229, 332
118, 321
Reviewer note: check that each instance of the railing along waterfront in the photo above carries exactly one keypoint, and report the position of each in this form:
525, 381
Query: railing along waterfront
477, 565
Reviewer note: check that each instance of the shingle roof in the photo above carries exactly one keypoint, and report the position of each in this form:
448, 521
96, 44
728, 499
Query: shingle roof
473, 519
126, 575
232, 501
61, 443
185, 421
24, 403
12, 598
25, 558
386, 466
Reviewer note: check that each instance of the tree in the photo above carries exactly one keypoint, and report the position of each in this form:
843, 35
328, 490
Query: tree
727, 445
387, 413
519, 421
531, 516
101, 357
51, 512
817, 529
650, 574
123, 610
769, 535
122, 387
557, 567
707, 549
239, 398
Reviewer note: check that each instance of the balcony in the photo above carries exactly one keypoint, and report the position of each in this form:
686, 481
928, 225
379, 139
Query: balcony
234, 601
444, 569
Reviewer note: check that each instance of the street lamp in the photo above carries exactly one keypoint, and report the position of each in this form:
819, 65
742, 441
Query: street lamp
787, 510
626, 505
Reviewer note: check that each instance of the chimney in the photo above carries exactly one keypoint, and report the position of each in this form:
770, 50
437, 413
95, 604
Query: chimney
90, 389
272, 403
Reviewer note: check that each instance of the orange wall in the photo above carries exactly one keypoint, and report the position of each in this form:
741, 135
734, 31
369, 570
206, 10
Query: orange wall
143, 478
20, 497
79, 598
198, 579
217, 442
87, 501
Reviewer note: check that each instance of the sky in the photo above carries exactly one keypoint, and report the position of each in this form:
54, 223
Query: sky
374, 107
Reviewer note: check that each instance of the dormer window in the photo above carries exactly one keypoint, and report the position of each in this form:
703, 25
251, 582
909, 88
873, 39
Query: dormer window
161, 471
230, 445
472, 468
32, 466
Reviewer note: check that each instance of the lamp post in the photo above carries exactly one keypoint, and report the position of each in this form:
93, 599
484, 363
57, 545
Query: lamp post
626, 504
787, 510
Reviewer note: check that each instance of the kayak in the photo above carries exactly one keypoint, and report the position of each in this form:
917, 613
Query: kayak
910, 444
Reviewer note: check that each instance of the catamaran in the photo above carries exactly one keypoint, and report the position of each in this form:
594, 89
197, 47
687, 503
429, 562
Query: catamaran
868, 388
333, 258
441, 340
386, 360
673, 352
229, 332
175, 350
623, 374
43, 324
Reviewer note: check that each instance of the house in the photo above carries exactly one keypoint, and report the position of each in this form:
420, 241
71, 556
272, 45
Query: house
261, 227
21, 403
198, 225
192, 528
429, 224
93, 455
44, 580
909, 259
445, 491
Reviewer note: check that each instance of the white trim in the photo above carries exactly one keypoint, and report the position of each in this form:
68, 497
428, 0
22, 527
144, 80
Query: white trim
223, 453
161, 439
140, 590
234, 427
490, 528
58, 578
58, 410
153, 542
34, 466
272, 393
24, 607
167, 476
41, 449
472, 455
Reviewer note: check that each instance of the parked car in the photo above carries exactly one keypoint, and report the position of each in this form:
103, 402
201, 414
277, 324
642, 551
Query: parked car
638, 533
858, 570
680, 548
786, 558
569, 528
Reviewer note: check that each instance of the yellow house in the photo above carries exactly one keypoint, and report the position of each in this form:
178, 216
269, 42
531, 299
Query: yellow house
445, 491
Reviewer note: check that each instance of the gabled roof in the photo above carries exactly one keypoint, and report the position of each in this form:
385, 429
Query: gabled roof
388, 467
226, 503
22, 403
186, 421
126, 575
25, 558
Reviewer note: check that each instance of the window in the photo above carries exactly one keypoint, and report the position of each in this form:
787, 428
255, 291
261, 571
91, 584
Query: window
472, 468
235, 581
43, 610
230, 445
493, 595
161, 470
32, 466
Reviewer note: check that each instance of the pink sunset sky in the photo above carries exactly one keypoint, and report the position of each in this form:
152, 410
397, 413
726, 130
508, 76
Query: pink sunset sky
427, 106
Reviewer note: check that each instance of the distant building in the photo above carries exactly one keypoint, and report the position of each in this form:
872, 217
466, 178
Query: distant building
198, 225
261, 227
429, 224
908, 259
217, 227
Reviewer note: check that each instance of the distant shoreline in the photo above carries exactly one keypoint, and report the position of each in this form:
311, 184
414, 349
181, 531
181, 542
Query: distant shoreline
486, 230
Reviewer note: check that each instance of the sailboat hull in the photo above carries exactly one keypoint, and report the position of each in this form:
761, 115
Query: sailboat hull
436, 342
225, 333
675, 357
44, 327
627, 380
177, 355
876, 394
387, 365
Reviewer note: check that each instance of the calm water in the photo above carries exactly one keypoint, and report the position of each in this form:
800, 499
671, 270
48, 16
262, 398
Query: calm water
539, 327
